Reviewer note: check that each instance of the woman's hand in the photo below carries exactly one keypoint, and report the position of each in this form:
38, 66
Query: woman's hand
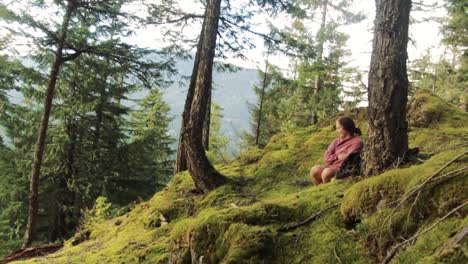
342, 156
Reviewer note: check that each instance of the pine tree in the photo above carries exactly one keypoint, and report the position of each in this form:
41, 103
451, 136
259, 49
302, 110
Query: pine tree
85, 28
319, 55
218, 143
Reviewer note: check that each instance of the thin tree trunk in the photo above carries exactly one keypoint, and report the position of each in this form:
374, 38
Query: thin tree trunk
207, 124
317, 82
38, 156
387, 140
205, 176
321, 42
262, 98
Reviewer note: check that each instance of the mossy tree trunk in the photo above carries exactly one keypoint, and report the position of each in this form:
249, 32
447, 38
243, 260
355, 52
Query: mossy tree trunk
387, 140
205, 176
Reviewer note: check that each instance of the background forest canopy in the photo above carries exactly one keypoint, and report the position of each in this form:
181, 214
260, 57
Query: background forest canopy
109, 128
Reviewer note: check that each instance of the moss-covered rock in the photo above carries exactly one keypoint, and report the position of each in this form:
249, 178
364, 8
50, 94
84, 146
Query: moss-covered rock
239, 222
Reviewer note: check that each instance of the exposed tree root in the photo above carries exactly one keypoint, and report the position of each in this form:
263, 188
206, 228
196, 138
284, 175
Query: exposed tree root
31, 252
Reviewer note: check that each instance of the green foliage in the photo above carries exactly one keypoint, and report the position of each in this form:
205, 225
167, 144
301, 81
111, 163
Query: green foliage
319, 72
442, 77
455, 28
102, 210
92, 147
447, 76
218, 145
277, 90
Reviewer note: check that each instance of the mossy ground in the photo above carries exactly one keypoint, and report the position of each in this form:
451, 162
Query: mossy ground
239, 222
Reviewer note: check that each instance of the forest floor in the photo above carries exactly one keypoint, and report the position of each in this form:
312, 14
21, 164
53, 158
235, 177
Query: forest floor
269, 213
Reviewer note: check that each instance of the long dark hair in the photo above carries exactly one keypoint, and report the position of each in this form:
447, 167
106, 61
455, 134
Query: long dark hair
348, 125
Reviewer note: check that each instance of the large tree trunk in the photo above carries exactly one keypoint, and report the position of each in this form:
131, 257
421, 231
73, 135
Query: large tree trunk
38, 156
181, 159
387, 140
205, 176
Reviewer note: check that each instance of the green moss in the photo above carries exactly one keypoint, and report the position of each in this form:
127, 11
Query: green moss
238, 222
429, 246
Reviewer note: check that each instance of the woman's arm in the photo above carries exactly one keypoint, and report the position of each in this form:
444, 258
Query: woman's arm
356, 147
330, 155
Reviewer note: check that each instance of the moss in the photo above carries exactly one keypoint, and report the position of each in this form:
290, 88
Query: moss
246, 244
429, 246
250, 155
362, 199
372, 200
238, 222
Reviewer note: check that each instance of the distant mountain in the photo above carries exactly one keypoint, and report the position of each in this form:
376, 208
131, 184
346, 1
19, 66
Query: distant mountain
232, 91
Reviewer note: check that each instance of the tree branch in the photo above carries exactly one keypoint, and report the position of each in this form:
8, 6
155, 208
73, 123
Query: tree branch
309, 219
395, 249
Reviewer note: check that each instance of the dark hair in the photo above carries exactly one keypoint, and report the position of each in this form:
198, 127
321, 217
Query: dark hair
348, 125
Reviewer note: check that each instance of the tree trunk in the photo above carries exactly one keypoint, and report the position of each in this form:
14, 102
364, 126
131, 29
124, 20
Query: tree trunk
317, 82
207, 124
205, 176
181, 159
387, 140
262, 98
38, 156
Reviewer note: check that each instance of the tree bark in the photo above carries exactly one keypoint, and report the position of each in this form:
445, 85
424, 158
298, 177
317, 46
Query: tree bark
207, 124
39, 152
181, 159
387, 140
205, 176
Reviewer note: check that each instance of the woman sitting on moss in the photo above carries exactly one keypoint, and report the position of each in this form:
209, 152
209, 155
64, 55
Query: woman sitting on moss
346, 144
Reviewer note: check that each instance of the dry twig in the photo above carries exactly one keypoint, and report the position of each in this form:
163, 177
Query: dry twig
309, 219
395, 249
418, 188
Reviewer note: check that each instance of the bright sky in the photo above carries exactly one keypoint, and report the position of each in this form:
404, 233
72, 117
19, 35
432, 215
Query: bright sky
425, 35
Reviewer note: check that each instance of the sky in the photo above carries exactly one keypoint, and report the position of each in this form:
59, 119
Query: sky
424, 35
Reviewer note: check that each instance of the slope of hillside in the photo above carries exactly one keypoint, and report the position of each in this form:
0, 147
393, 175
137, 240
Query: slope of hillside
244, 221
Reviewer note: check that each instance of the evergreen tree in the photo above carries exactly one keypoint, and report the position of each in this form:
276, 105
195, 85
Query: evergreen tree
218, 143
455, 32
320, 59
275, 107
85, 28
149, 151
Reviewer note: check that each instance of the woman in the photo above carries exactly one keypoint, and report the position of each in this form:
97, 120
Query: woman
346, 144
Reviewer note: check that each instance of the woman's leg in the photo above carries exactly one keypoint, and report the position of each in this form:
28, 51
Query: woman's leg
327, 175
315, 174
